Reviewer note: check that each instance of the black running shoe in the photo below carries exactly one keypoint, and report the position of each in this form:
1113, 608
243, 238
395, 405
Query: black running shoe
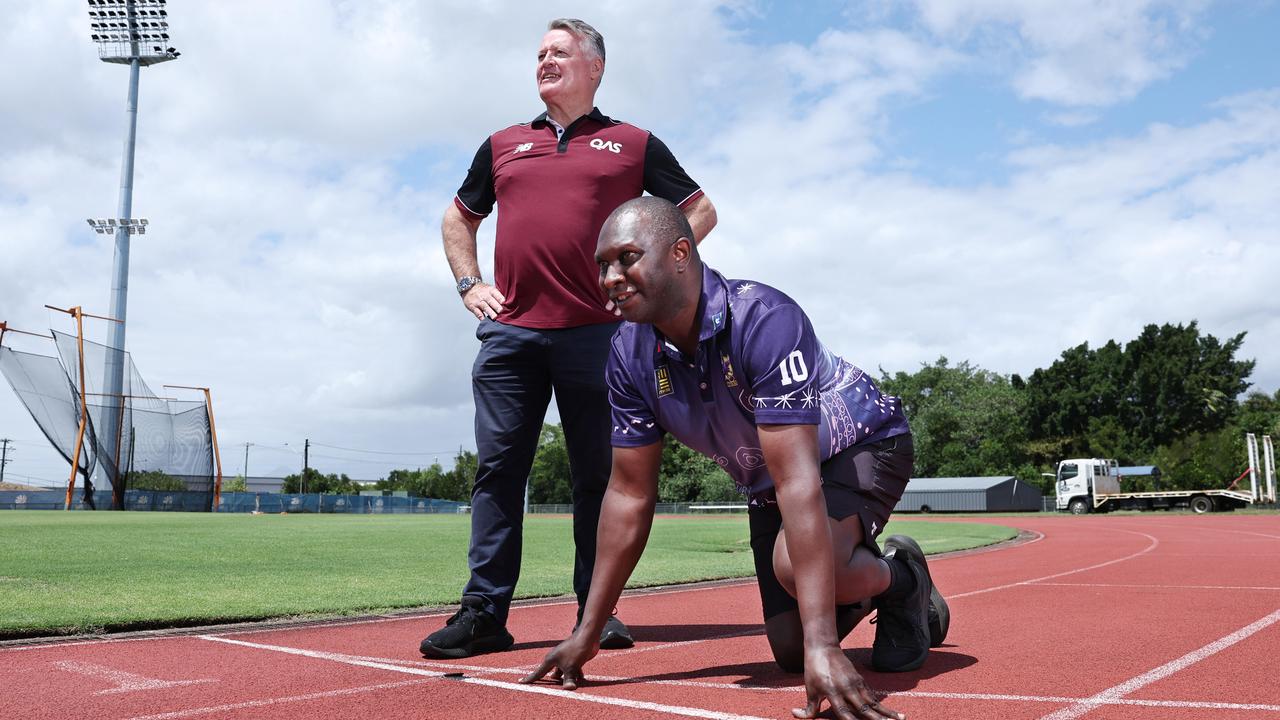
939, 611
471, 631
902, 625
615, 635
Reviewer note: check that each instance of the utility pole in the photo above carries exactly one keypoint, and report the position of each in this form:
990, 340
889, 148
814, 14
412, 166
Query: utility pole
306, 465
246, 462
4, 455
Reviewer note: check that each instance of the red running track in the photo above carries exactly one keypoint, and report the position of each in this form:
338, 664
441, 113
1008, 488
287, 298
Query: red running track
1141, 616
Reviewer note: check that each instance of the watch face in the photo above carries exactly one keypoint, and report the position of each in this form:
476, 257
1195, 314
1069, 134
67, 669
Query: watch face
465, 283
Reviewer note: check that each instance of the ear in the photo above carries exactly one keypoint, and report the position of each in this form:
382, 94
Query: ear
597, 69
682, 252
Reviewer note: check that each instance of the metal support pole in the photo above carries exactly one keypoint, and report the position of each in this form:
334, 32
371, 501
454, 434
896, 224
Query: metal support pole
1251, 444
114, 371
217, 454
84, 408
1269, 459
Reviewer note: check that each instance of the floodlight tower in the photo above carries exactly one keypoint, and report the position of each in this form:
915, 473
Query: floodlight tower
133, 33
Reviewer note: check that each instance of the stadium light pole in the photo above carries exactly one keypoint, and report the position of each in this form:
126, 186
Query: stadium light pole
133, 33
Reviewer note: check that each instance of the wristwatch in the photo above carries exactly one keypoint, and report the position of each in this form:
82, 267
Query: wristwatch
466, 282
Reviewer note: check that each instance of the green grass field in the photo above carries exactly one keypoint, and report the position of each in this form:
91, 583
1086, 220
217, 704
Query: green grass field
90, 572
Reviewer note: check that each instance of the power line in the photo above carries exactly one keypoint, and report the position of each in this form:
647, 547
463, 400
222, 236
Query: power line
382, 463
381, 452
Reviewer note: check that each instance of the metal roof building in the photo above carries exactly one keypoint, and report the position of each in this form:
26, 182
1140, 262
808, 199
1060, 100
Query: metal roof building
1001, 493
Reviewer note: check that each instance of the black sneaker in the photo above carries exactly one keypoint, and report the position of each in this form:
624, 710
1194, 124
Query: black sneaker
939, 611
615, 635
902, 625
471, 631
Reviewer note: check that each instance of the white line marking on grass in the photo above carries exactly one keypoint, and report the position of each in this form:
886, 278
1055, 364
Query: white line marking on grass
1154, 543
278, 701
1117, 692
124, 681
533, 689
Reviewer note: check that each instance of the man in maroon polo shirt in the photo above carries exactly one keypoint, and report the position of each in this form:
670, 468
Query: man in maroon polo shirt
545, 323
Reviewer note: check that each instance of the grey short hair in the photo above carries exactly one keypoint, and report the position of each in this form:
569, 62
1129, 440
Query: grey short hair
590, 38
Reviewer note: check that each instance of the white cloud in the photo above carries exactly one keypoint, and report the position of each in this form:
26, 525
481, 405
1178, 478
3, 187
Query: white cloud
295, 168
1074, 52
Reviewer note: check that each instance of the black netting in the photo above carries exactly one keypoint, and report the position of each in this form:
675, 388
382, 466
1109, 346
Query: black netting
44, 389
131, 430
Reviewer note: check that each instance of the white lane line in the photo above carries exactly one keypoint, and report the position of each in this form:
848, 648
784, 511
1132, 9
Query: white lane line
1085, 706
193, 712
1187, 704
124, 681
790, 689
532, 689
1162, 587
1154, 544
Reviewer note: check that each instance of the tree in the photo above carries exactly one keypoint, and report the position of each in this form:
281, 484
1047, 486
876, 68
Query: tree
235, 484
966, 421
549, 478
317, 483
686, 475
1166, 384
155, 480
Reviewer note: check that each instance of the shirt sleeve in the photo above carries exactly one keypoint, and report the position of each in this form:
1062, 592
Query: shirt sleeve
476, 197
781, 356
663, 176
634, 424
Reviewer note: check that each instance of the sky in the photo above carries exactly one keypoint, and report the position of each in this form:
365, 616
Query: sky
985, 180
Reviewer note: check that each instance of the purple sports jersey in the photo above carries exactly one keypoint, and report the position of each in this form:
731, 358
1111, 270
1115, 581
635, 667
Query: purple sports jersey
758, 362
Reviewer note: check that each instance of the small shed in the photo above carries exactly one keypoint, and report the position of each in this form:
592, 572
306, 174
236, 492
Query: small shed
999, 493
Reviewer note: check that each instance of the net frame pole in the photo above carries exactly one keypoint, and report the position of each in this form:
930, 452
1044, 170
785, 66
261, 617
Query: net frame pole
1251, 445
1269, 460
84, 406
79, 315
213, 436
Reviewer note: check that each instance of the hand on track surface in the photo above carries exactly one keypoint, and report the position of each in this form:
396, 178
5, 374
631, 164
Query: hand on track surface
565, 661
830, 677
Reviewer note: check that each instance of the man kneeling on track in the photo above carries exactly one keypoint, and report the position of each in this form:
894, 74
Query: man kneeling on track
733, 369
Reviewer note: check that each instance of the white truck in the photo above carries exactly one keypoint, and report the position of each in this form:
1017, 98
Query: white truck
1093, 485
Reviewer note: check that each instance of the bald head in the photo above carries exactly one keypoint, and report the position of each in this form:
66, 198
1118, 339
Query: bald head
649, 265
652, 217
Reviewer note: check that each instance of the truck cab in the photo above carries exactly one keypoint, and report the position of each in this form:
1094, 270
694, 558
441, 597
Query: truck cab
1079, 480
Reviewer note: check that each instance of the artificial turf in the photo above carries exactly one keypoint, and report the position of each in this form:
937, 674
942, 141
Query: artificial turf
83, 572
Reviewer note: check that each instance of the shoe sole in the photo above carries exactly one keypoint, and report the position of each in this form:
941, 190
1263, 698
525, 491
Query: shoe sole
939, 611
476, 647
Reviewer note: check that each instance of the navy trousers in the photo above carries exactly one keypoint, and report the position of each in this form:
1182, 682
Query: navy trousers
515, 374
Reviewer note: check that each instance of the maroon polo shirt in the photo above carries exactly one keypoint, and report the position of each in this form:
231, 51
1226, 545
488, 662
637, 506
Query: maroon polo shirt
553, 197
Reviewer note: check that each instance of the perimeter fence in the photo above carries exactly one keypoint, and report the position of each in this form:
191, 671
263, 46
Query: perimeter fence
157, 500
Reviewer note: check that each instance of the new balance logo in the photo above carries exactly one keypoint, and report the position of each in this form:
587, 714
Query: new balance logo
522, 147
614, 147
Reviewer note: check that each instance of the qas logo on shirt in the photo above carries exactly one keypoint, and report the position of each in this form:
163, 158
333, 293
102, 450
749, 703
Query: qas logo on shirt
611, 146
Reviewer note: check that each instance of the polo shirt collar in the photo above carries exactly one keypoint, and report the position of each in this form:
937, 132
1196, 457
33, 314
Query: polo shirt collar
713, 309
595, 114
